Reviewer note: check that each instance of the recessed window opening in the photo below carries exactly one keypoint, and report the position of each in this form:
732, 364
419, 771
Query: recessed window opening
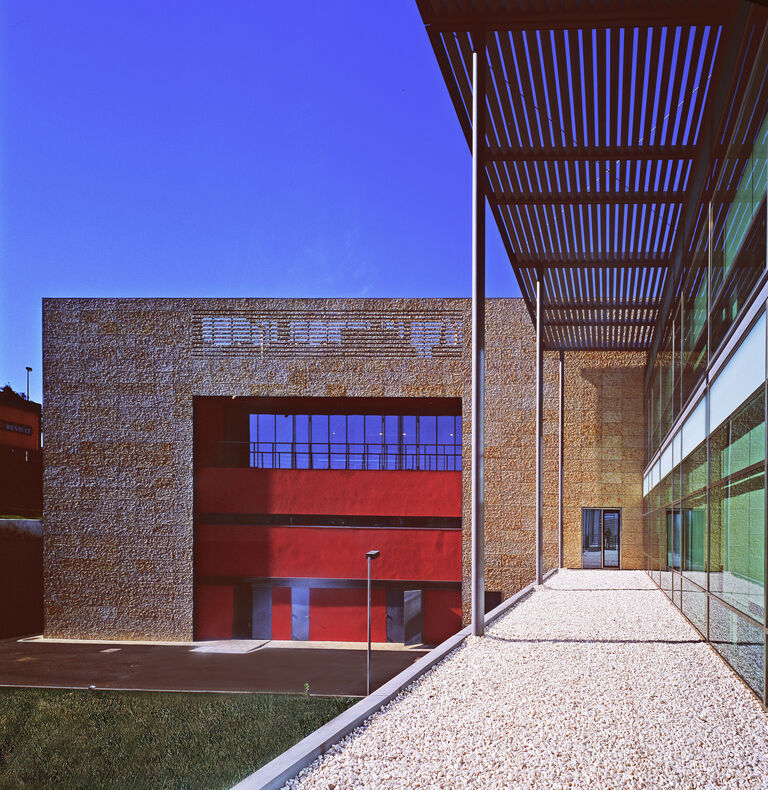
355, 441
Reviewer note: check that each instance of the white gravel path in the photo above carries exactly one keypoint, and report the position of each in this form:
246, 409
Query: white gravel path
594, 681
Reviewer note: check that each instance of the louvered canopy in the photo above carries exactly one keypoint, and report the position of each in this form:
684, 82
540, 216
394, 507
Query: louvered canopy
595, 161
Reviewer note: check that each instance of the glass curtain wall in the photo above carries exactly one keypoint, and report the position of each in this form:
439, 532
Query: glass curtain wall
704, 490
704, 508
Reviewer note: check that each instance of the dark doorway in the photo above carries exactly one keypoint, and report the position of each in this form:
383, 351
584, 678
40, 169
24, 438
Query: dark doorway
405, 617
261, 613
243, 612
600, 537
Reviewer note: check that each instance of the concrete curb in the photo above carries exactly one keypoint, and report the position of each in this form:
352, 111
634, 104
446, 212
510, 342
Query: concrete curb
276, 773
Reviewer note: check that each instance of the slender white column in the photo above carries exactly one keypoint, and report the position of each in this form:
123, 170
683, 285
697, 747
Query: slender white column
478, 340
560, 462
539, 440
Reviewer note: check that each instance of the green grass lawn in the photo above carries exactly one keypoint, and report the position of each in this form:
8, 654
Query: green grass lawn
115, 739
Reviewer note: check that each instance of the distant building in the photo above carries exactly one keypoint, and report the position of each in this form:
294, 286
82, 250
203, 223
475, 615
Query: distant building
21, 475
21, 507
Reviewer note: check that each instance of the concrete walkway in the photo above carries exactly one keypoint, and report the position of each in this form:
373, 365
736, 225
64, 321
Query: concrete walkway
594, 681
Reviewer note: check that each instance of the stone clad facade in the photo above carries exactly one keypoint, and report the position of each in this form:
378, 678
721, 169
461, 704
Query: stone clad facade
603, 448
120, 376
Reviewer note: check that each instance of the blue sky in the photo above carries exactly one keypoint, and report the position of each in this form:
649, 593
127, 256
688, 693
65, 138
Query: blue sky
225, 149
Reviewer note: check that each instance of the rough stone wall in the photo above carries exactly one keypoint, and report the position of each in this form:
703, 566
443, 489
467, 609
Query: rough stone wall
119, 380
604, 446
510, 454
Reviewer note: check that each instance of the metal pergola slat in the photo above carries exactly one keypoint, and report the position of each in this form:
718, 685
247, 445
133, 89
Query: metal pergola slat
594, 116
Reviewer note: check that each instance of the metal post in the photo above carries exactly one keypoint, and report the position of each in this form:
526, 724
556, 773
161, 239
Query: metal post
370, 555
560, 461
539, 443
29, 370
708, 564
765, 509
478, 339
765, 543
368, 663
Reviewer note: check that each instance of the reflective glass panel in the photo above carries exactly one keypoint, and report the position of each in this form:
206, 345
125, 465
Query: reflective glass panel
693, 514
695, 318
737, 524
742, 374
611, 538
737, 502
734, 282
738, 642
695, 605
694, 470
592, 538
666, 490
673, 538
319, 439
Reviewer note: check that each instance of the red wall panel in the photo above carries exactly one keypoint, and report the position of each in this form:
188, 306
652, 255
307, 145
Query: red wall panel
281, 613
328, 491
442, 614
328, 553
342, 615
209, 421
214, 608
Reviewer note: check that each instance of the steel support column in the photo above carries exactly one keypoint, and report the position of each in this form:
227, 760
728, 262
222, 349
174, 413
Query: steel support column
478, 337
539, 439
765, 511
560, 463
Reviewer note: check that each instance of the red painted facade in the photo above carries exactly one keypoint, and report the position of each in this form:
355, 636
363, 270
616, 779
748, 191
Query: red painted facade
335, 614
341, 615
226, 550
231, 553
214, 610
328, 491
442, 614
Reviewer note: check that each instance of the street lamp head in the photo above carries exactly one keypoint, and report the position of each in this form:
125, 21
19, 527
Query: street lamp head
29, 369
372, 554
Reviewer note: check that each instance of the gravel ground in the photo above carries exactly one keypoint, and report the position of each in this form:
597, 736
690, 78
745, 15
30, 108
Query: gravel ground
594, 681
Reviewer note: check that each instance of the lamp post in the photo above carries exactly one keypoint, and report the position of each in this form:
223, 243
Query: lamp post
371, 555
29, 370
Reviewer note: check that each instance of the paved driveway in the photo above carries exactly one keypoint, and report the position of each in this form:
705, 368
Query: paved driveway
200, 667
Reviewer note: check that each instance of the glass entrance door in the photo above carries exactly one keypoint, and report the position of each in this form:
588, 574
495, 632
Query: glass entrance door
601, 538
592, 538
611, 536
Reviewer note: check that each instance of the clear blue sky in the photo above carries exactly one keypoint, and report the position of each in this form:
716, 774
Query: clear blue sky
235, 148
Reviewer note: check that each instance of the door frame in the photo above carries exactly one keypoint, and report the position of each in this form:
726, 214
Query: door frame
602, 537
